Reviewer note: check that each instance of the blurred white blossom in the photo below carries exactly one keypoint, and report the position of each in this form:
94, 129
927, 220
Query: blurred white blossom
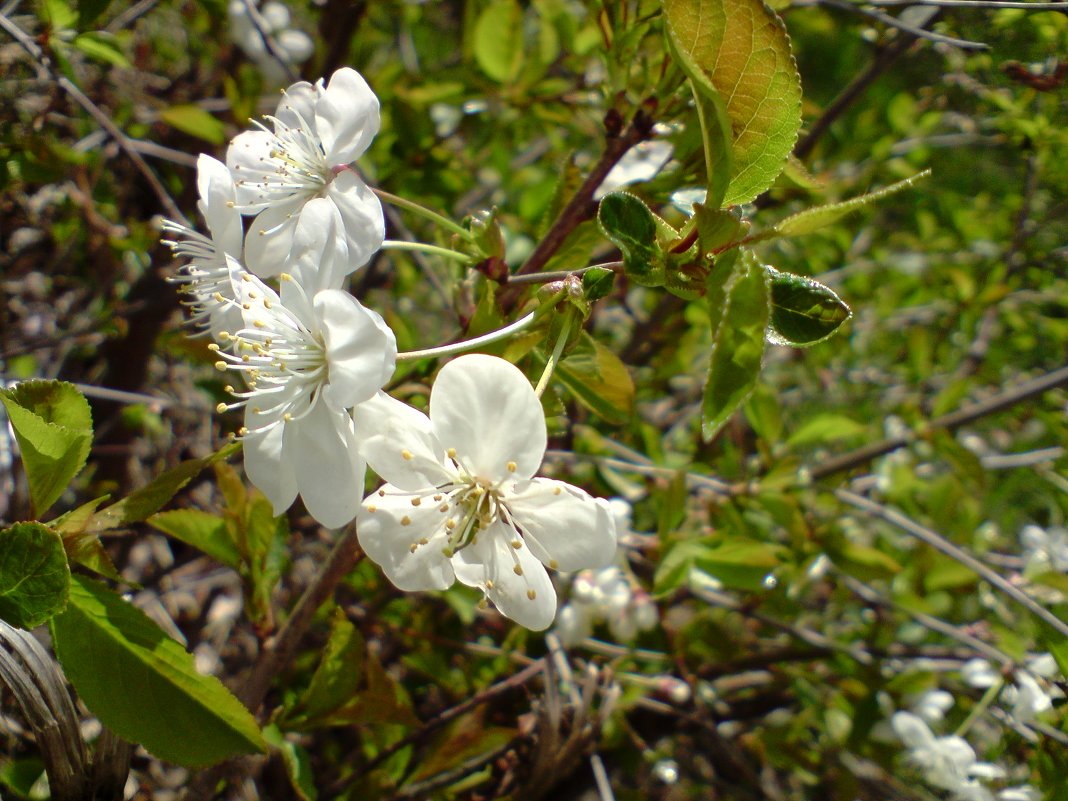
1045, 548
250, 23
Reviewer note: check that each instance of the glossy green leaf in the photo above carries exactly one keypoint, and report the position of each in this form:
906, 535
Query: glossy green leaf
804, 312
739, 564
195, 121
813, 219
740, 47
824, 428
102, 46
598, 379
147, 500
499, 40
143, 685
34, 576
205, 532
631, 227
54, 430
737, 346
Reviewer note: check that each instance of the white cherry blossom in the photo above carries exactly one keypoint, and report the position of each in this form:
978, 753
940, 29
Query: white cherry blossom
249, 23
947, 762
463, 502
213, 261
307, 360
317, 132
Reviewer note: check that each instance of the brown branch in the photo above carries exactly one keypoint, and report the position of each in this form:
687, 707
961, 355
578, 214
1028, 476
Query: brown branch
948, 422
44, 65
580, 207
941, 544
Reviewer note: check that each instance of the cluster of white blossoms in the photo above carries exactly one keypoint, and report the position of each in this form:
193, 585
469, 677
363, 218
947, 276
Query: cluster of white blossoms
252, 25
608, 595
463, 502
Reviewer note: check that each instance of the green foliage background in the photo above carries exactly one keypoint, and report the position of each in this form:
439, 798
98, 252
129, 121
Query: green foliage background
959, 290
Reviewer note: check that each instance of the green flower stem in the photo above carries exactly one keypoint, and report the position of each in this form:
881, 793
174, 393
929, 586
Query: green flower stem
469, 344
984, 703
445, 253
550, 365
423, 211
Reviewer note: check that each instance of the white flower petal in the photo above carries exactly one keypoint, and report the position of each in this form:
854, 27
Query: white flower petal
298, 102
527, 597
215, 185
249, 160
361, 213
979, 673
270, 239
564, 527
327, 464
361, 350
266, 469
298, 46
319, 256
399, 443
388, 540
346, 116
485, 408
275, 16
911, 730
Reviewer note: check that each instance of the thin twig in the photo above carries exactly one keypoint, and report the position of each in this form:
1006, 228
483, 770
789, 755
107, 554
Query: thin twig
900, 24
560, 275
44, 65
979, 4
949, 422
940, 543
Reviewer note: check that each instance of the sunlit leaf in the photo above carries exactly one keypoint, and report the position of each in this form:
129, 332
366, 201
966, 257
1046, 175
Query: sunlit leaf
195, 121
145, 686
205, 532
598, 379
499, 40
54, 430
741, 48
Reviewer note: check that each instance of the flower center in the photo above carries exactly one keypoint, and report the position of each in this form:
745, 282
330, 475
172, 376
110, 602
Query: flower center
478, 504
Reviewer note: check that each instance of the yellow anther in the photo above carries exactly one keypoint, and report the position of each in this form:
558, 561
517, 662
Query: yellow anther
381, 493
483, 604
416, 501
220, 408
287, 417
406, 521
450, 524
246, 276
512, 467
213, 347
423, 540
413, 548
259, 323
406, 455
556, 490
372, 508
489, 584
243, 431
516, 544
553, 564
451, 453
443, 508
229, 388
220, 365
438, 497
531, 594
517, 570
285, 277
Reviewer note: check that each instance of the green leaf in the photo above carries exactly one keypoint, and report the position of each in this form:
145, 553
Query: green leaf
810, 220
297, 763
89, 10
195, 121
337, 677
598, 379
716, 133
631, 227
54, 430
499, 40
57, 13
865, 562
205, 532
717, 227
597, 283
804, 312
741, 49
34, 576
739, 564
143, 685
101, 46
824, 428
83, 548
737, 346
147, 500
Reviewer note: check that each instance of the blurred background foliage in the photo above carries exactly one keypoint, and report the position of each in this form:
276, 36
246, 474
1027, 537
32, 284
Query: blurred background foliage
788, 612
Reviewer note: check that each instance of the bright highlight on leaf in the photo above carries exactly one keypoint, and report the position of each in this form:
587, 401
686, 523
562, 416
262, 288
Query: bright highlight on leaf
143, 685
54, 430
740, 49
